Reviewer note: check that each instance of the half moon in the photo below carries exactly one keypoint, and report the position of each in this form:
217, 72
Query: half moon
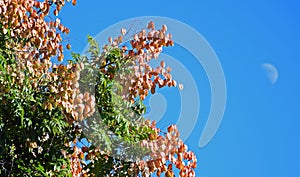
271, 72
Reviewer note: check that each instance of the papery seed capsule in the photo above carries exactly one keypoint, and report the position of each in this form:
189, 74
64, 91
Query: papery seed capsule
123, 31
68, 46
74, 2
162, 64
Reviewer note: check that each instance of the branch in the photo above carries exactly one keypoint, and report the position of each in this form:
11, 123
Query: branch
107, 65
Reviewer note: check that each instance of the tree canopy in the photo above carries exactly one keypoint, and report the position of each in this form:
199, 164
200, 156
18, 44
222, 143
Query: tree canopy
85, 117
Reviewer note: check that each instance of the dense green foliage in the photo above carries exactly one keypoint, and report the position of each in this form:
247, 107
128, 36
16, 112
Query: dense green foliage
30, 136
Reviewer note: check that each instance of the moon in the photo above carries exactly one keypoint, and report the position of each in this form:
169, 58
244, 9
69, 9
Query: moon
271, 72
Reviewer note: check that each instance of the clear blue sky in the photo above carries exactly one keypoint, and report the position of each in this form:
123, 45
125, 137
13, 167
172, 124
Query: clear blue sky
259, 134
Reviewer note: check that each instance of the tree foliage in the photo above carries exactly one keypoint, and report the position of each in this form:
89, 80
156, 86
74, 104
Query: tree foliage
83, 118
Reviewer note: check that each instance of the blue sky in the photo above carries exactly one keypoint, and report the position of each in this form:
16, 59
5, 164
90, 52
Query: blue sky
258, 136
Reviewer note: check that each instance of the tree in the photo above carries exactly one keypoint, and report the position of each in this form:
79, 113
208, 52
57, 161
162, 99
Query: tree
46, 107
